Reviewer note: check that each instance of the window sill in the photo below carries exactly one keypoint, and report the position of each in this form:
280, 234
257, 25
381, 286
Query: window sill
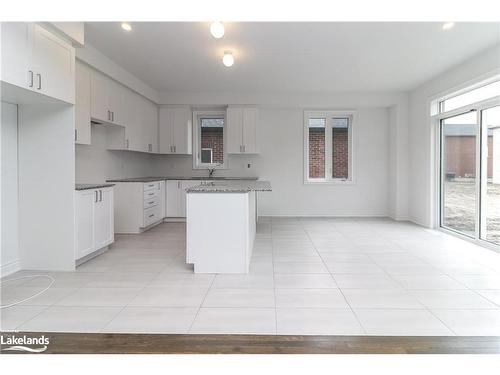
329, 182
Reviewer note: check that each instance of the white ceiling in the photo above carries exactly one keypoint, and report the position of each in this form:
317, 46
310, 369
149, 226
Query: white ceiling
280, 57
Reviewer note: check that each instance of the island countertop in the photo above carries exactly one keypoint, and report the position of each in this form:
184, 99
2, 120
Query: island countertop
240, 186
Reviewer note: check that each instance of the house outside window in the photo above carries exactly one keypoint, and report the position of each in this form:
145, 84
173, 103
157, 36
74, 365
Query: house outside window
209, 139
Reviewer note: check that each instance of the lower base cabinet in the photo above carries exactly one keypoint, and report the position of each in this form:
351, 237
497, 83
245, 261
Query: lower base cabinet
94, 220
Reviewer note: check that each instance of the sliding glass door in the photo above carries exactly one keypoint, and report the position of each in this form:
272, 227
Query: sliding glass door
458, 173
490, 172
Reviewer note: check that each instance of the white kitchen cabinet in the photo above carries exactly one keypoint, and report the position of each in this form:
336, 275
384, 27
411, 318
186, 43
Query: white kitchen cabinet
35, 59
242, 123
99, 108
175, 130
184, 185
94, 220
138, 206
149, 125
82, 104
173, 198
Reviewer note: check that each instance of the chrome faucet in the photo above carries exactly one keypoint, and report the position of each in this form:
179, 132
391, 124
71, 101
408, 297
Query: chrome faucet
211, 172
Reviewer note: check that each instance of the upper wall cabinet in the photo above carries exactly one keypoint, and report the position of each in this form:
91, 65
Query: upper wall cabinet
107, 100
175, 130
242, 123
35, 59
82, 104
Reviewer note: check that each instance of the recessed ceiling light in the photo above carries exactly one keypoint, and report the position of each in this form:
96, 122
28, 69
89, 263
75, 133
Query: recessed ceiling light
217, 29
448, 25
228, 59
126, 26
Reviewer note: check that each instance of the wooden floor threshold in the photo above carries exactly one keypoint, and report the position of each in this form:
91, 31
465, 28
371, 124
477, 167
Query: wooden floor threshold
108, 343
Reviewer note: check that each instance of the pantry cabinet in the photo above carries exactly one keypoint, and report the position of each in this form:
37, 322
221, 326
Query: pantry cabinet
94, 220
35, 59
242, 124
175, 130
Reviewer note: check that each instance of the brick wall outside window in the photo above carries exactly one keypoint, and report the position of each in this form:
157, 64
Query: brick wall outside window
316, 152
340, 153
213, 138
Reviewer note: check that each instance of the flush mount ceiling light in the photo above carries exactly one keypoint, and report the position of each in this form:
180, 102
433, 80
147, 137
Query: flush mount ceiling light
217, 29
448, 25
228, 59
126, 26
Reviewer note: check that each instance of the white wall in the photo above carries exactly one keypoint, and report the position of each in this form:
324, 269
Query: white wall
9, 254
421, 134
95, 164
46, 186
281, 153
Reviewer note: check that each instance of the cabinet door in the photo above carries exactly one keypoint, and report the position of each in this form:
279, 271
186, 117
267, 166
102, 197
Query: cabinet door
103, 219
149, 125
182, 131
82, 105
173, 198
99, 105
84, 222
183, 194
53, 62
166, 130
250, 123
117, 102
133, 131
16, 47
234, 119
162, 200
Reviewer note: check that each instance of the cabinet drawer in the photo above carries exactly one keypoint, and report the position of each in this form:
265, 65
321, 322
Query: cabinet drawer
152, 215
150, 202
150, 194
151, 186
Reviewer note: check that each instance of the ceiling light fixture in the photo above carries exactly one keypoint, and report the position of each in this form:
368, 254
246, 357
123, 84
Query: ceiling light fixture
217, 29
448, 25
228, 59
126, 26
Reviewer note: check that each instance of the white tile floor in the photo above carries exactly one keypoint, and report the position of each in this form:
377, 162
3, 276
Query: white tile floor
308, 276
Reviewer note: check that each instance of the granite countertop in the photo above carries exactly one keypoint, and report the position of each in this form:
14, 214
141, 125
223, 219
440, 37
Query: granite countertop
91, 186
230, 187
150, 179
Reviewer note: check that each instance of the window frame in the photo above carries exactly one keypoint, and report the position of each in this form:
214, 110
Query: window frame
197, 116
328, 115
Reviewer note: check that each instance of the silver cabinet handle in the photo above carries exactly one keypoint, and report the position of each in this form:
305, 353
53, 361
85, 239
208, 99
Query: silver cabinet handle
244, 148
31, 78
151, 194
100, 195
112, 116
127, 143
109, 115
76, 134
96, 196
39, 81
151, 215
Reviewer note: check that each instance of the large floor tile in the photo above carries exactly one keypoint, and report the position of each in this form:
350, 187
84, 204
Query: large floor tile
313, 298
401, 322
239, 298
479, 281
243, 281
471, 322
452, 299
292, 267
436, 282
235, 321
304, 280
99, 297
122, 280
71, 319
12, 317
360, 281
493, 295
194, 280
381, 299
353, 268
152, 320
35, 296
170, 297
300, 321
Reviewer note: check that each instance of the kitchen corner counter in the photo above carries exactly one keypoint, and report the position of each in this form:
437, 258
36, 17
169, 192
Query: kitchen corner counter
230, 187
91, 186
162, 178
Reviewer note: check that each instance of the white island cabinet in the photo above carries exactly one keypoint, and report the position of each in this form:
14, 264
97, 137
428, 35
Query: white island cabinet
221, 224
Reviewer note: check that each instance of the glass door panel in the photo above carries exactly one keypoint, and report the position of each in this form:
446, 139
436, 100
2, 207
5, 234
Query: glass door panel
458, 173
490, 175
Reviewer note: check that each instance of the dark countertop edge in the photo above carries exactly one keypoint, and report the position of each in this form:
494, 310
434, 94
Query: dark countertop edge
79, 187
151, 179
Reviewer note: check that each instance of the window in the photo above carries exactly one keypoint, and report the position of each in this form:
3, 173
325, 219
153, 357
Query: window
209, 139
328, 146
472, 96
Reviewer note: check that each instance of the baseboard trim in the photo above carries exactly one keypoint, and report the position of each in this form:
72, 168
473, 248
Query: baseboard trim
10, 268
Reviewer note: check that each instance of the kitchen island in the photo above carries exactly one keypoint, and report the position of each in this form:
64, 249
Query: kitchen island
221, 225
